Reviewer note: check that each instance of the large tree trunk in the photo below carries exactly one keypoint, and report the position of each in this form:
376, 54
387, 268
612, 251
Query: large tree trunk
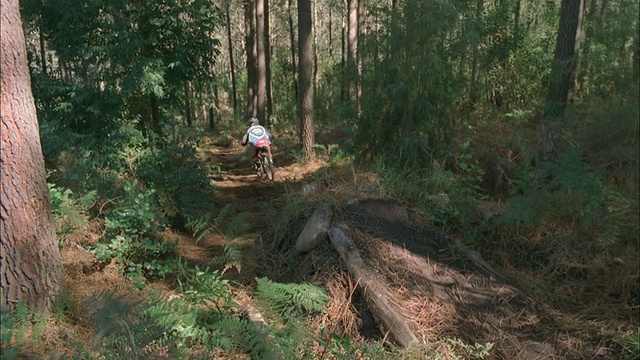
261, 61
252, 61
561, 80
30, 265
305, 78
234, 94
564, 63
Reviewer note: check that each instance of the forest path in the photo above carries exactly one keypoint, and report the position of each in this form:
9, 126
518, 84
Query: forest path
255, 201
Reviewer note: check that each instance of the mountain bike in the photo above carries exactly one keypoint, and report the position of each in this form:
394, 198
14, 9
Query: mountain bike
265, 163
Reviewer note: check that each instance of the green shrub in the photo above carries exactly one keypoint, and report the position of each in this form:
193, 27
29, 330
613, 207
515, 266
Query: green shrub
70, 212
132, 230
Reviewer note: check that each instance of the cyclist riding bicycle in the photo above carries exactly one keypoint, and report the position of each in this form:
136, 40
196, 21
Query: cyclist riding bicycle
259, 138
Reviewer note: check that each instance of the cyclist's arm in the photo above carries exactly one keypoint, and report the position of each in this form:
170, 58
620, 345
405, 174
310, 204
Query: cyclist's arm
245, 138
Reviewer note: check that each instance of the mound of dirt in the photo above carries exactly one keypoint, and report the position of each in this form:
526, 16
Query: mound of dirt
443, 289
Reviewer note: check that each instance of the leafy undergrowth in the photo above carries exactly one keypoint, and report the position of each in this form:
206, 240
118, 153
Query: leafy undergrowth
150, 277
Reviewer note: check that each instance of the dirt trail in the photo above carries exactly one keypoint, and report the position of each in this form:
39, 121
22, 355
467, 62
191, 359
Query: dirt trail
238, 185
441, 291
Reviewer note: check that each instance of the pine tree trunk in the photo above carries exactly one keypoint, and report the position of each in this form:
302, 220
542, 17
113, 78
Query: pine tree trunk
352, 50
292, 38
187, 103
305, 78
564, 63
267, 47
252, 61
234, 91
562, 74
43, 54
261, 62
30, 263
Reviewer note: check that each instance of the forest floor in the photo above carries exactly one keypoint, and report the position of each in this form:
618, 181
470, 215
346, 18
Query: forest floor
440, 288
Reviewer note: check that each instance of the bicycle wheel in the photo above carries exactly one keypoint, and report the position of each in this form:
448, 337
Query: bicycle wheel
267, 165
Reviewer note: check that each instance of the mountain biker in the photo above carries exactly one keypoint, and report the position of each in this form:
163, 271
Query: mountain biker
259, 138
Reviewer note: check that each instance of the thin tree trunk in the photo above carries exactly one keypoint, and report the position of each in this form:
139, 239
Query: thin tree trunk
305, 77
352, 50
234, 91
155, 113
343, 61
261, 61
330, 33
30, 264
267, 47
314, 22
187, 103
635, 72
292, 37
64, 73
475, 61
43, 54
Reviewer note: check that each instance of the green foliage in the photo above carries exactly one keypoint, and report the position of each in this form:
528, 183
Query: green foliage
458, 349
132, 230
70, 213
8, 333
630, 345
564, 190
121, 332
290, 299
182, 185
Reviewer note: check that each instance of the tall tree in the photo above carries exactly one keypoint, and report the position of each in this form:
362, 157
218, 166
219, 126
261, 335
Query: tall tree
234, 92
261, 62
305, 78
30, 264
252, 57
292, 38
267, 48
563, 69
352, 49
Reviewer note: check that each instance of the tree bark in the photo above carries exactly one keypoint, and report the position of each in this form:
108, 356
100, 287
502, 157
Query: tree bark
352, 50
562, 75
564, 63
187, 103
292, 38
267, 47
388, 316
43, 53
234, 92
305, 78
155, 113
30, 264
261, 61
315, 230
252, 54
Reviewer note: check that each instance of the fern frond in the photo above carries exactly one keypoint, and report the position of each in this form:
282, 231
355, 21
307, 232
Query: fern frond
237, 225
291, 298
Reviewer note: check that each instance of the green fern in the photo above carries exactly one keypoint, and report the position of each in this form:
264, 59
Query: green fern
120, 332
291, 298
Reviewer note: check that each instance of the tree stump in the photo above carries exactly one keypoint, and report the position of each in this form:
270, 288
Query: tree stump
388, 317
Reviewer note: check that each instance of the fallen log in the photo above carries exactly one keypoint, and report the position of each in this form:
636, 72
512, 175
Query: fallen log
316, 229
389, 318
